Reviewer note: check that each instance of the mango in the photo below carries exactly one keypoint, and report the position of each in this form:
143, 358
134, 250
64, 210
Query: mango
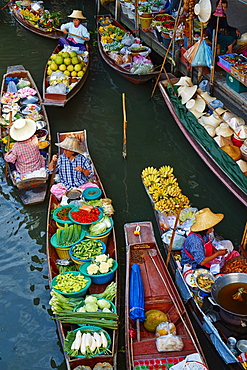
153, 319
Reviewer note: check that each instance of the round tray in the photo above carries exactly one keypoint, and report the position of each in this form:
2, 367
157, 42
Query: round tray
54, 215
101, 214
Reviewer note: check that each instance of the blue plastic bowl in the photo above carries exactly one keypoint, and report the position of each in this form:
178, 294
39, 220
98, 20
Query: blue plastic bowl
53, 240
101, 214
85, 259
101, 278
92, 193
79, 293
91, 329
62, 222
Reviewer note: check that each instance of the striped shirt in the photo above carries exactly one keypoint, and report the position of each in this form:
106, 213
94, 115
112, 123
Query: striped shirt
68, 175
26, 156
195, 246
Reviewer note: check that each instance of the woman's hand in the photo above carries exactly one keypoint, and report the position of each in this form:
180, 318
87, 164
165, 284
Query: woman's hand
222, 252
54, 158
53, 162
83, 170
238, 33
65, 31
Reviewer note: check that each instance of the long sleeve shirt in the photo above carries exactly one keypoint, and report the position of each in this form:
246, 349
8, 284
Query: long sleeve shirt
26, 156
80, 31
195, 246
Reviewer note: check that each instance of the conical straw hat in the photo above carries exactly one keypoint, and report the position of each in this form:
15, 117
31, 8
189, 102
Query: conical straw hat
233, 151
184, 81
221, 140
77, 14
203, 10
219, 12
242, 165
72, 144
212, 121
205, 219
205, 95
210, 129
220, 111
187, 92
224, 130
242, 132
196, 104
228, 115
196, 113
22, 129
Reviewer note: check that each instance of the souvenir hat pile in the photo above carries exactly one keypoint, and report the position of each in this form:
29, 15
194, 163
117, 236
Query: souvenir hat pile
77, 14
205, 219
203, 10
72, 144
22, 129
187, 92
196, 106
224, 130
233, 151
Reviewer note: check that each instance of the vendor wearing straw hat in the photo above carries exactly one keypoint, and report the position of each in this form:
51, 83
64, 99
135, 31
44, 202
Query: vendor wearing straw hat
25, 154
197, 249
73, 167
76, 28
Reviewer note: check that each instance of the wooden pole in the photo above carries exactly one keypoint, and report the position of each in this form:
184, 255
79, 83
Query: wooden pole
69, 33
124, 126
8, 144
172, 238
244, 237
5, 6
214, 56
169, 46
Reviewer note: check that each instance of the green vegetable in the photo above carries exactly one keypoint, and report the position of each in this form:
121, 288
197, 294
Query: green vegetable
59, 303
109, 293
100, 227
91, 307
102, 303
90, 299
91, 318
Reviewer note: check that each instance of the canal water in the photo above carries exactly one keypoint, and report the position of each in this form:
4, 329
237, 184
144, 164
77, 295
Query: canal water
28, 335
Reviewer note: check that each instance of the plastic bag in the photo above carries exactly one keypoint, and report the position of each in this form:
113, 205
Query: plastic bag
127, 39
60, 88
165, 328
188, 214
116, 57
178, 240
11, 87
23, 83
169, 342
191, 52
203, 55
127, 58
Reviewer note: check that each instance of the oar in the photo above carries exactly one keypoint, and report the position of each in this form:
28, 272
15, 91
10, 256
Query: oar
69, 33
6, 5
244, 237
124, 126
8, 144
172, 238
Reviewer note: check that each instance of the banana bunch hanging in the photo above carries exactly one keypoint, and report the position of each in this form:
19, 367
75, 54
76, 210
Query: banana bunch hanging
163, 187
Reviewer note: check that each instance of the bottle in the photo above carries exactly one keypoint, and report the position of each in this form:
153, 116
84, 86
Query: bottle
16, 176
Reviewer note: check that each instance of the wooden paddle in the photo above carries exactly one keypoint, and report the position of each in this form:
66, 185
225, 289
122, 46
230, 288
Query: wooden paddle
8, 144
124, 126
72, 34
5, 6
172, 238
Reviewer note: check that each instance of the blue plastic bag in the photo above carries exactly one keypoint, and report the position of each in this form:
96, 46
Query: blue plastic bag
203, 56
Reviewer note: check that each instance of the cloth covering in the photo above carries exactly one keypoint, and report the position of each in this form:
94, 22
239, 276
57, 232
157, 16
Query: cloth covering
226, 163
26, 156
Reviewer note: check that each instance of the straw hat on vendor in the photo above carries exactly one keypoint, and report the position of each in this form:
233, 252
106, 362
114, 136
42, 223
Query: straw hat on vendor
26, 3
72, 144
205, 219
77, 14
22, 129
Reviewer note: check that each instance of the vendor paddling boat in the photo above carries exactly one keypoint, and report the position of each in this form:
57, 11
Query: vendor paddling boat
131, 62
35, 20
31, 189
216, 137
162, 308
58, 256
220, 319
60, 87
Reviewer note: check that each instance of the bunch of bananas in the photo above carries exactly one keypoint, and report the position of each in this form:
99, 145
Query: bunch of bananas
163, 187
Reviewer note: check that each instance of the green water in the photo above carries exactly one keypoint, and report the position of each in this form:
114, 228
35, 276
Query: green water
28, 336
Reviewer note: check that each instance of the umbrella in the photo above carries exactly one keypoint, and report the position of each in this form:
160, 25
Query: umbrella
136, 298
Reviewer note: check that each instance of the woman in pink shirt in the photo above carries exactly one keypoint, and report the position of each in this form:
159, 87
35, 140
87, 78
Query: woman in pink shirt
25, 154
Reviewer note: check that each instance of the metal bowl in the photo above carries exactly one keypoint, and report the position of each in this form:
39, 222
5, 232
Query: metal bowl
32, 99
206, 276
40, 124
242, 345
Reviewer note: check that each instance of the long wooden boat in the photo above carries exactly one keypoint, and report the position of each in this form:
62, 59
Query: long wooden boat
160, 294
32, 190
207, 315
52, 257
136, 78
216, 159
15, 11
75, 83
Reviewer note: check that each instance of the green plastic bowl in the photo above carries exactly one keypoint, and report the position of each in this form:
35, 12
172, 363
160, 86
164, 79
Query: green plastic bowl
99, 235
53, 240
75, 259
58, 220
112, 308
101, 278
79, 293
100, 216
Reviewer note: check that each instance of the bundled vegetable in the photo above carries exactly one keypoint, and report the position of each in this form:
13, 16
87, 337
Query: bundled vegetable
87, 343
59, 303
69, 235
93, 304
109, 293
103, 319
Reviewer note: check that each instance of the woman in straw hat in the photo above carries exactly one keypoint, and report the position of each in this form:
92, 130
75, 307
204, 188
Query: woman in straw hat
24, 155
73, 167
76, 28
197, 249
227, 35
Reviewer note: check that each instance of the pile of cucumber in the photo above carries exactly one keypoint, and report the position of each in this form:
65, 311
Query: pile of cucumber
69, 235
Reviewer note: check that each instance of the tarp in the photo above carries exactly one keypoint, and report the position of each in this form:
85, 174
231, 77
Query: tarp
225, 162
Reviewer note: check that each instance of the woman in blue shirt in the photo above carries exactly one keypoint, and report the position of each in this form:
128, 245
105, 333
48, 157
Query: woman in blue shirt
75, 28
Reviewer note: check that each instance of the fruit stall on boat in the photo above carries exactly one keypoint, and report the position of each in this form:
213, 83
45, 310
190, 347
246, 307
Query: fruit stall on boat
83, 271
202, 289
20, 98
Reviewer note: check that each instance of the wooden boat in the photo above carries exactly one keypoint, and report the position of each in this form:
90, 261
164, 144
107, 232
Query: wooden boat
219, 162
206, 314
160, 294
32, 190
61, 99
136, 78
15, 11
52, 256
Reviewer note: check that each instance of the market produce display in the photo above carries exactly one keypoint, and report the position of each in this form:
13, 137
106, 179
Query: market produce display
85, 215
69, 282
70, 63
87, 249
67, 236
100, 264
41, 18
164, 189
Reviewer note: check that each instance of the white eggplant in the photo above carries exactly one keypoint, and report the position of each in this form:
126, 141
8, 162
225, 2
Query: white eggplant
77, 342
83, 344
93, 344
104, 340
97, 338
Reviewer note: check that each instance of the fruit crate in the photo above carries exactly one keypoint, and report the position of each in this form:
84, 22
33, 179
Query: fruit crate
224, 63
240, 73
235, 84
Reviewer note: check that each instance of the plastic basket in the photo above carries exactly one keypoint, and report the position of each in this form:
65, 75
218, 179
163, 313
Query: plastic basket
101, 214
91, 193
53, 241
224, 63
103, 237
102, 278
79, 293
79, 261
58, 220
62, 252
113, 307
